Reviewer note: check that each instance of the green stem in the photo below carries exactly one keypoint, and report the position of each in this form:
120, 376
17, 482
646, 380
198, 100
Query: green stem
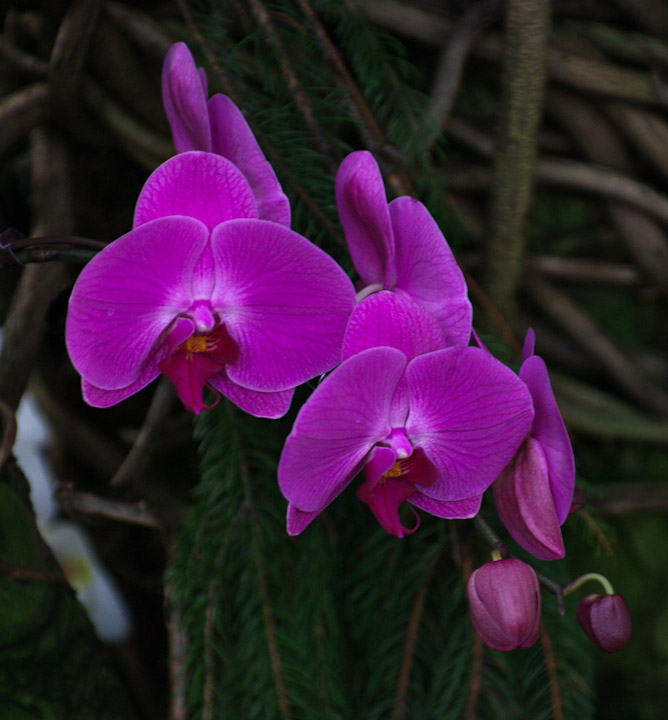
579, 582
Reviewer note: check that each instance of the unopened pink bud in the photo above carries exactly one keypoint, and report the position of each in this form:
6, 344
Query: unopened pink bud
606, 620
504, 600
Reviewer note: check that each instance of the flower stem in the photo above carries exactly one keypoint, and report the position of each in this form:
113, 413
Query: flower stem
579, 582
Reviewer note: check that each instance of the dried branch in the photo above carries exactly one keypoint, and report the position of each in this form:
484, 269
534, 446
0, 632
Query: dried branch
23, 61
551, 667
140, 143
359, 106
580, 326
88, 504
524, 76
8, 425
600, 142
141, 28
26, 318
411, 638
142, 448
293, 82
451, 61
624, 498
22, 112
269, 623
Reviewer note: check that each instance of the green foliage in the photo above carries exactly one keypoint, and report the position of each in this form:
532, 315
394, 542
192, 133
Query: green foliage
52, 666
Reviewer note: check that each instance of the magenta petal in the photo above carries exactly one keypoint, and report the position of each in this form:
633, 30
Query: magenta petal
96, 397
298, 520
285, 302
347, 414
184, 98
388, 319
384, 499
529, 344
550, 431
197, 184
261, 404
127, 297
466, 508
362, 203
469, 413
524, 502
427, 270
233, 139
379, 462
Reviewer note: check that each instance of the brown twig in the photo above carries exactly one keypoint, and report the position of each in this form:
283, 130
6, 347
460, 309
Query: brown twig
624, 498
292, 81
267, 612
178, 652
451, 61
411, 638
26, 319
23, 61
275, 157
399, 179
88, 504
573, 175
600, 535
139, 454
137, 25
68, 55
21, 112
551, 668
524, 76
143, 144
8, 432
26, 575
580, 326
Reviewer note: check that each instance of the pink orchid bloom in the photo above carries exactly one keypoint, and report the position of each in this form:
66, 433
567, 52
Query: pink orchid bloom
533, 494
217, 125
204, 292
427, 424
399, 247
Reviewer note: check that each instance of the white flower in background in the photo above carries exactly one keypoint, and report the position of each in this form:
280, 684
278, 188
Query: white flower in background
94, 586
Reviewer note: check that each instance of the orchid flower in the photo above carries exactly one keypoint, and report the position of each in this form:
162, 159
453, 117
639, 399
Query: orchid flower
427, 424
399, 247
217, 126
207, 294
533, 494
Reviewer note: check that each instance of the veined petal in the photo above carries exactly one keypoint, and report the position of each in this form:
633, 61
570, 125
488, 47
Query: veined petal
184, 98
466, 508
284, 301
298, 520
127, 296
469, 413
550, 431
347, 414
388, 319
362, 204
196, 184
427, 270
261, 404
384, 499
233, 139
96, 397
524, 502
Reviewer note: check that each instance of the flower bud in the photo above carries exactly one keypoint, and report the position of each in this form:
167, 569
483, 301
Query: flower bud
606, 620
504, 600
